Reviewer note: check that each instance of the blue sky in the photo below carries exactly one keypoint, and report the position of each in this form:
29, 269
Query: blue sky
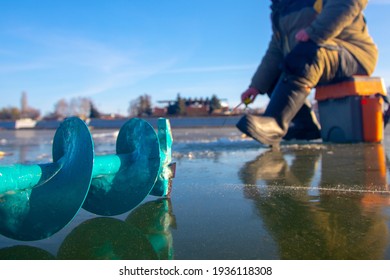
113, 51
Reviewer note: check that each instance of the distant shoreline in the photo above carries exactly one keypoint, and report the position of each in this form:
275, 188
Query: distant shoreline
176, 122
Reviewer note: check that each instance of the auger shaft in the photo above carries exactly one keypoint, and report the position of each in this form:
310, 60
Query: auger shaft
22, 177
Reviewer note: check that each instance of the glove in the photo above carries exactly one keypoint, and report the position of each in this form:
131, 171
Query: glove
248, 96
302, 36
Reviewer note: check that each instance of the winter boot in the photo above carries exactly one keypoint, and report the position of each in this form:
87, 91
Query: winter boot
304, 126
287, 99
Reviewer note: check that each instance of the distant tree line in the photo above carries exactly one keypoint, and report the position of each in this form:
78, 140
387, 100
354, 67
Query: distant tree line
80, 106
10, 113
85, 108
141, 107
14, 113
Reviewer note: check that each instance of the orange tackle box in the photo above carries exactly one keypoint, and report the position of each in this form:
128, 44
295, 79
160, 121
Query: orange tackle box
352, 110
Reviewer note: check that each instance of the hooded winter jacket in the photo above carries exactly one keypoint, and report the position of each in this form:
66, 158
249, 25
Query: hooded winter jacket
331, 24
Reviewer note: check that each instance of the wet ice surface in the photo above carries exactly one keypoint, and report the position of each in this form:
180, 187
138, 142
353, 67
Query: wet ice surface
232, 199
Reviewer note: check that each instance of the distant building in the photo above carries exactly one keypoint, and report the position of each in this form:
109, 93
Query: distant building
159, 112
197, 110
192, 107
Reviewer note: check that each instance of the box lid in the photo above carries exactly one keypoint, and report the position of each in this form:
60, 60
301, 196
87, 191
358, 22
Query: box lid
356, 85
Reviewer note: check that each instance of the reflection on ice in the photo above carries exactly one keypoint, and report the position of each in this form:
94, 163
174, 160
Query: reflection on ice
343, 219
144, 234
357, 167
306, 201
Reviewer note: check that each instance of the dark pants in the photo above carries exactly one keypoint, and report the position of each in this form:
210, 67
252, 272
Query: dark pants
316, 64
311, 64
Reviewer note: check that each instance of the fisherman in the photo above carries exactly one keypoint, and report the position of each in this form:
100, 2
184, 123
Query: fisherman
313, 42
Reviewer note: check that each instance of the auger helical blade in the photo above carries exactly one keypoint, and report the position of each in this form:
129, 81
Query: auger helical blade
45, 207
122, 181
163, 185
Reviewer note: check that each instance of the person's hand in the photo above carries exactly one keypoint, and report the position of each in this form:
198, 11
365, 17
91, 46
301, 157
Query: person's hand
302, 36
249, 95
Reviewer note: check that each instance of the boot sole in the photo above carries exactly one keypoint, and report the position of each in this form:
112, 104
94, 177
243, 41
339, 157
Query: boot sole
247, 125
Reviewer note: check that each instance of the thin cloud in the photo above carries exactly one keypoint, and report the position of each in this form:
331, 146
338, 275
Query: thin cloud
104, 67
56, 50
22, 67
119, 78
211, 69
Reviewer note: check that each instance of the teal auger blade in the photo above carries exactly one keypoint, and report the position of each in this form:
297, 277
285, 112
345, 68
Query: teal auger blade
44, 206
135, 169
162, 187
37, 201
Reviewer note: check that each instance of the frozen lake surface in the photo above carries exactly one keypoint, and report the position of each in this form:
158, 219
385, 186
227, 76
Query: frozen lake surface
232, 198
